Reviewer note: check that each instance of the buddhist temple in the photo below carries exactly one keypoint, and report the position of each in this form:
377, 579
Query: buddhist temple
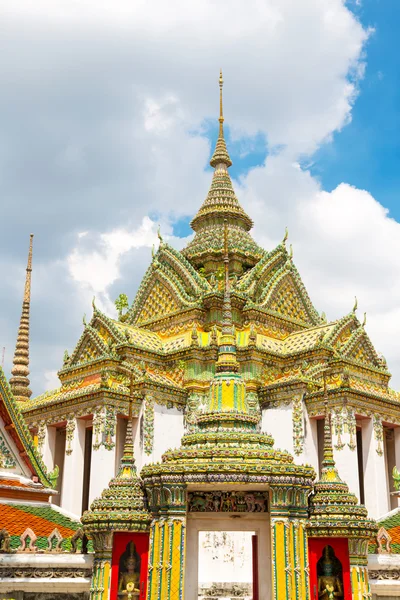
219, 439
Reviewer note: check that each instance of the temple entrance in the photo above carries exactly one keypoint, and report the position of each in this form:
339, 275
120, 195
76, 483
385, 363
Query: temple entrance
228, 556
226, 565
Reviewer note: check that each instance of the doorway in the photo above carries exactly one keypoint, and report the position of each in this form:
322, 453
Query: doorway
228, 557
226, 565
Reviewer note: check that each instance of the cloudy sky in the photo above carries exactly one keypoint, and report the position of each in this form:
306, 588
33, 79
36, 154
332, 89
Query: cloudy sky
108, 114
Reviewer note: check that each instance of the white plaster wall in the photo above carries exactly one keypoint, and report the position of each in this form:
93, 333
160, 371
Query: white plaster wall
396, 432
119, 441
375, 485
347, 466
310, 446
101, 471
71, 497
168, 432
279, 423
49, 447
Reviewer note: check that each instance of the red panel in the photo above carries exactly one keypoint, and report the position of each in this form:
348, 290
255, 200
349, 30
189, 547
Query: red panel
120, 542
341, 548
254, 541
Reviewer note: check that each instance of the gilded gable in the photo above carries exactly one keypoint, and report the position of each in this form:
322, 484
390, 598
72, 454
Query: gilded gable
88, 352
362, 352
287, 301
159, 302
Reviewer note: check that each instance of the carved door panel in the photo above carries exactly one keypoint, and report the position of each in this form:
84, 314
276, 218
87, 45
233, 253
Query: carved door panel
129, 566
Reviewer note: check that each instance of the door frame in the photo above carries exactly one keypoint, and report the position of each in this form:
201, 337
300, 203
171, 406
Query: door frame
257, 523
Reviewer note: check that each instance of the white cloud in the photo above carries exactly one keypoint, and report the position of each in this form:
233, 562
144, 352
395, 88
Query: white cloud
97, 269
123, 89
345, 245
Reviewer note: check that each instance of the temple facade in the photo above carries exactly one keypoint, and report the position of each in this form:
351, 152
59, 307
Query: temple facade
256, 426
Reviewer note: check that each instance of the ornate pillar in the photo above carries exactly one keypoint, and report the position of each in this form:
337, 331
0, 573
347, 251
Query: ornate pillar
167, 545
290, 573
358, 552
101, 577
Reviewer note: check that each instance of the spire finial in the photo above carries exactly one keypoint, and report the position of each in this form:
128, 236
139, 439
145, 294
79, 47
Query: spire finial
221, 109
328, 460
19, 381
220, 156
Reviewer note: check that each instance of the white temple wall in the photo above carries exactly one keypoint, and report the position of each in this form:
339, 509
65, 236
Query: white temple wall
278, 421
102, 468
168, 430
71, 499
49, 447
347, 465
396, 433
310, 452
375, 473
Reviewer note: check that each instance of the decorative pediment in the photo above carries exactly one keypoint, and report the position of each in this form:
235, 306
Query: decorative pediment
286, 296
342, 331
91, 346
360, 349
170, 284
159, 301
256, 279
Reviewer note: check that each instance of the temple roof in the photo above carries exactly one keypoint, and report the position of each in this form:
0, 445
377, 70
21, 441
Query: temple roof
16, 428
42, 518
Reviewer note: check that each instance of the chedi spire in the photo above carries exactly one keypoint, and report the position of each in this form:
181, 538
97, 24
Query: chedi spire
19, 381
221, 204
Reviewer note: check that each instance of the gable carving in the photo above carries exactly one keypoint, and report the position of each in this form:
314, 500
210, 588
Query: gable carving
159, 302
88, 352
287, 301
360, 348
362, 353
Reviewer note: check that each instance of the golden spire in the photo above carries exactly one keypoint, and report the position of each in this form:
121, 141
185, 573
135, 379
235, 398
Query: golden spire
220, 155
227, 342
328, 460
19, 381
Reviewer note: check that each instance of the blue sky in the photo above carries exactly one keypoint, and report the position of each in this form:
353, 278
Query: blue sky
366, 153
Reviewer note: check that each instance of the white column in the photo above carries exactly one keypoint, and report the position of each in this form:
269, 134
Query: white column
310, 454
49, 447
71, 498
396, 432
375, 485
344, 440
347, 465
